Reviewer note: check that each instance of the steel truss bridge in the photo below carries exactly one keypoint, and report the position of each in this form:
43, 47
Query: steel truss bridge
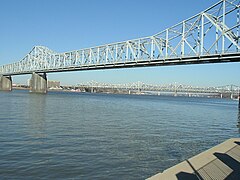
175, 87
211, 36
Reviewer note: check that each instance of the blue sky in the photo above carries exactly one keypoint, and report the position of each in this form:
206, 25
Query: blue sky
64, 25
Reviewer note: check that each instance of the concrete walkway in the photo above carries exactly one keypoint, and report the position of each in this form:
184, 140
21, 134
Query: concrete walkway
218, 163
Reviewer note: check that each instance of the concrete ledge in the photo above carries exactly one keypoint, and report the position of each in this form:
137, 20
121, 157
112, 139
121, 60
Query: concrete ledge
219, 162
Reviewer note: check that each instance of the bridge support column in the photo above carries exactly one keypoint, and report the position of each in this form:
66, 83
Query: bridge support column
38, 83
5, 83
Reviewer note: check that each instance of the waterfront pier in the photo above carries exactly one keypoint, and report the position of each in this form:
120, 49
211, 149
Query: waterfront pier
220, 162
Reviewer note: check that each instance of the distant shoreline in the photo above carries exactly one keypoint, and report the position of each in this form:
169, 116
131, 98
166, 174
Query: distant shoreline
179, 94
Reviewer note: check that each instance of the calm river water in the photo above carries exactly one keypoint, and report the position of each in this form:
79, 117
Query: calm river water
86, 136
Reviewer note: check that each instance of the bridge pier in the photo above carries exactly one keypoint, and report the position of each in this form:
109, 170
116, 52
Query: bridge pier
5, 83
38, 83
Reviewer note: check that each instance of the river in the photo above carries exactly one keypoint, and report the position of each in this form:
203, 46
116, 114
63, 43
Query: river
104, 136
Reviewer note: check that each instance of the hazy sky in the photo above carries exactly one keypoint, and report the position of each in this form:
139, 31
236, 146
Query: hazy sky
64, 25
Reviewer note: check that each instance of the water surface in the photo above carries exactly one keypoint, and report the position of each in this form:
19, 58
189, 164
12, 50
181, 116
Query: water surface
85, 136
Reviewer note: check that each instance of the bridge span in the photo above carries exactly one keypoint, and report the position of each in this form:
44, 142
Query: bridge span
211, 36
173, 87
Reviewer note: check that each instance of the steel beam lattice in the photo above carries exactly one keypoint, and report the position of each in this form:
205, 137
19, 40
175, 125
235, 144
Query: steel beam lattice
160, 87
209, 37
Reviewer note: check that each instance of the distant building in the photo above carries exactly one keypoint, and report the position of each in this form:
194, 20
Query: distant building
53, 84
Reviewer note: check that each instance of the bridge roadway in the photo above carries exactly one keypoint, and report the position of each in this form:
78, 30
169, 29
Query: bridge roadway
211, 36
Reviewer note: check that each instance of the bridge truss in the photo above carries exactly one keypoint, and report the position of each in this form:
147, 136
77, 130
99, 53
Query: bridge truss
174, 87
211, 36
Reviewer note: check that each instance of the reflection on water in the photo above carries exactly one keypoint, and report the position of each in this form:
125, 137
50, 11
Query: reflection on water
36, 115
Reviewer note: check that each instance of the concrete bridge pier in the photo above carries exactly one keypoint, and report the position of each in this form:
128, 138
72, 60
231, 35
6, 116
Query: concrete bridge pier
5, 83
38, 83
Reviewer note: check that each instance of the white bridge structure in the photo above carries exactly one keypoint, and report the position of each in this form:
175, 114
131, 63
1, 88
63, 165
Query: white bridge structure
212, 36
231, 90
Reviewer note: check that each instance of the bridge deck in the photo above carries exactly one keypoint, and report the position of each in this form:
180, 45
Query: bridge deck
187, 60
219, 162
